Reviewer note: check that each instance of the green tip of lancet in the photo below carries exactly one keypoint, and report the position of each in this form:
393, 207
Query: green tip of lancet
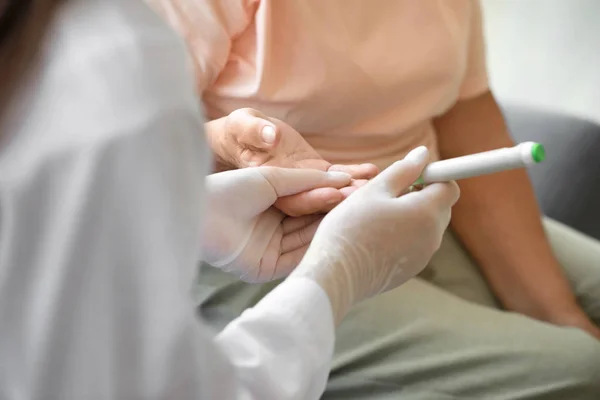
538, 153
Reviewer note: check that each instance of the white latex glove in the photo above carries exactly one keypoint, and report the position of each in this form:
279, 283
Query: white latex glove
245, 235
379, 237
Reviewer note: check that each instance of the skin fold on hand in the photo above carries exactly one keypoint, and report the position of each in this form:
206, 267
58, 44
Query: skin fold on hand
248, 138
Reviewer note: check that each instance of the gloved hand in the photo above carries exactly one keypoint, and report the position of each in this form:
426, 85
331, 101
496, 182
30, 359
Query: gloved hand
379, 237
245, 235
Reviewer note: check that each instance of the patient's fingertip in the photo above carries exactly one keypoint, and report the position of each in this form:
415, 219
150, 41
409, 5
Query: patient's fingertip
338, 176
370, 169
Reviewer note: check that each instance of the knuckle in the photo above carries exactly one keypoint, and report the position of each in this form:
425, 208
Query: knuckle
239, 121
233, 119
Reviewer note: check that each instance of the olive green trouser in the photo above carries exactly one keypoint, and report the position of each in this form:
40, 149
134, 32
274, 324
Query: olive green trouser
442, 335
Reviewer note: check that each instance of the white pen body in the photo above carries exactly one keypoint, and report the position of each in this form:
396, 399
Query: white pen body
479, 164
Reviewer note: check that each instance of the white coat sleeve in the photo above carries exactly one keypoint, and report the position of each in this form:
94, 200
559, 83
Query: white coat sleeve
100, 242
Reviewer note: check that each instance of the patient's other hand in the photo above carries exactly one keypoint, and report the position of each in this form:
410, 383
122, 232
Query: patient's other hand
250, 139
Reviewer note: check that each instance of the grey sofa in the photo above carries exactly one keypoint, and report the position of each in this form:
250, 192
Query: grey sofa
567, 184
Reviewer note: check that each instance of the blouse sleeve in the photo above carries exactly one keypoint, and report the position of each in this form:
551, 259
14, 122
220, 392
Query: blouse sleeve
475, 81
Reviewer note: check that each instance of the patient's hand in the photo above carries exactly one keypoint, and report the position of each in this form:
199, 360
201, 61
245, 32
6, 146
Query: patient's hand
248, 138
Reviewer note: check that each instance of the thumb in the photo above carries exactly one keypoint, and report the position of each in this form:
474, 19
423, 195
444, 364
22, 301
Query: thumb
288, 181
399, 176
251, 128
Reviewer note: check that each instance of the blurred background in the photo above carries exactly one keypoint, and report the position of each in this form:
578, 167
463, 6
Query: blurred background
544, 66
546, 53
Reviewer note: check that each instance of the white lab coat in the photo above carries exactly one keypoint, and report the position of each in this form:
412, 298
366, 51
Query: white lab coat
101, 193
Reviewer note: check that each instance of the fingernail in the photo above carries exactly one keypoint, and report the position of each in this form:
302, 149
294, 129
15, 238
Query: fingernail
268, 134
418, 155
339, 176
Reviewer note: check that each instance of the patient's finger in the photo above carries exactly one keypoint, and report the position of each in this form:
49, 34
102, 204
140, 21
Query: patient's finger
299, 238
289, 181
310, 202
292, 224
357, 171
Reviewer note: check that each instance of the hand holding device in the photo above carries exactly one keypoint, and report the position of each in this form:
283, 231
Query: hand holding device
378, 238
